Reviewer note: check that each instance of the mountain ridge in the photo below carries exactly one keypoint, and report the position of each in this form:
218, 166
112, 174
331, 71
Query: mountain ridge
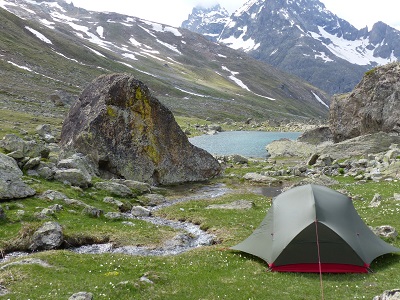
304, 38
188, 73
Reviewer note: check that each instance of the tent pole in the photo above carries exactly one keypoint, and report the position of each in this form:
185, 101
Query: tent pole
319, 260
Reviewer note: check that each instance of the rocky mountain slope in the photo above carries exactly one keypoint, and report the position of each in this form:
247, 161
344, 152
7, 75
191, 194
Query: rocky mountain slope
373, 106
51, 50
304, 38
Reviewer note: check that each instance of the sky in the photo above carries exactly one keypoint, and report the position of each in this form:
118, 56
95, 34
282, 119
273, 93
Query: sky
359, 13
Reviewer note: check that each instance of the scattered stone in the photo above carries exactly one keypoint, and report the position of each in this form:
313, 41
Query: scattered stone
135, 136
153, 199
13, 143
74, 202
74, 177
396, 197
11, 184
385, 231
137, 186
44, 131
81, 296
123, 207
92, 211
376, 201
49, 236
53, 195
389, 295
27, 261
3, 291
238, 159
114, 216
114, 188
145, 279
139, 211
239, 204
256, 177
31, 163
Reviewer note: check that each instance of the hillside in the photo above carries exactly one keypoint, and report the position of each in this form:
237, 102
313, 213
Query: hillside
51, 50
302, 38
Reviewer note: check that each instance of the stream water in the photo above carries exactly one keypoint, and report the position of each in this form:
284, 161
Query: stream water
191, 237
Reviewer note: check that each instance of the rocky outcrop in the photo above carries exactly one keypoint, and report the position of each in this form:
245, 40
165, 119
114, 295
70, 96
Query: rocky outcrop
373, 105
127, 133
316, 135
11, 184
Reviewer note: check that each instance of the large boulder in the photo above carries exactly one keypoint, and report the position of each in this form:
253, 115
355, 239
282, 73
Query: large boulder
49, 236
11, 184
373, 105
127, 133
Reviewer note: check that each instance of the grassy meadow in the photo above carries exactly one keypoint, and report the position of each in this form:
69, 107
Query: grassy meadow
208, 272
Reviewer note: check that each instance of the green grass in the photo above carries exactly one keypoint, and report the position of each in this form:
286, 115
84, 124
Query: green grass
209, 272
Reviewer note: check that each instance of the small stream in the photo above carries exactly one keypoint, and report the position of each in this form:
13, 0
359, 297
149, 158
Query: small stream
191, 237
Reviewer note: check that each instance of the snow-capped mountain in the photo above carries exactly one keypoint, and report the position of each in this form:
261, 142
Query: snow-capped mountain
52, 50
207, 21
304, 38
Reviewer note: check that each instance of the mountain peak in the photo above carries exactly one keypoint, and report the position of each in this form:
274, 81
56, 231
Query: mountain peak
306, 39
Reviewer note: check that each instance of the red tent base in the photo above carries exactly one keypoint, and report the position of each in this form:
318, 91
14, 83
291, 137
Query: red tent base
325, 268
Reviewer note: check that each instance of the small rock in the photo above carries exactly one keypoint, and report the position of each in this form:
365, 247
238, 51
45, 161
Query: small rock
145, 279
53, 195
48, 236
2, 213
386, 231
376, 201
256, 177
153, 199
3, 290
114, 188
74, 177
92, 211
389, 295
114, 216
139, 211
81, 296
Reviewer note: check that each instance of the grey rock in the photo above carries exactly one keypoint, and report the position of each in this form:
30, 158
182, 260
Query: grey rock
75, 202
74, 177
123, 207
3, 290
114, 188
238, 159
386, 231
139, 211
137, 186
53, 195
114, 216
11, 184
153, 199
32, 163
289, 148
49, 236
127, 133
92, 211
256, 177
389, 295
376, 201
81, 296
373, 106
316, 136
80, 162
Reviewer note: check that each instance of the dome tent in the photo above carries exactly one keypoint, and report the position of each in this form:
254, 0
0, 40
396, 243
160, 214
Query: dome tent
312, 228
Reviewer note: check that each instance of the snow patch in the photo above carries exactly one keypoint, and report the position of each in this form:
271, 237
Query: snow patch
39, 35
100, 31
320, 100
191, 93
